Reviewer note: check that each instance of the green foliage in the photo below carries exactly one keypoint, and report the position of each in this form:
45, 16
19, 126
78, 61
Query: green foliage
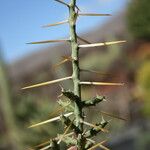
139, 19
143, 140
143, 80
11, 132
31, 109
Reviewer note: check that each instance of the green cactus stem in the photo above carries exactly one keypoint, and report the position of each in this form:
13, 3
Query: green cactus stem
76, 71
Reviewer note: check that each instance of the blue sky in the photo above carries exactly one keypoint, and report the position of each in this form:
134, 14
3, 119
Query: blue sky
21, 22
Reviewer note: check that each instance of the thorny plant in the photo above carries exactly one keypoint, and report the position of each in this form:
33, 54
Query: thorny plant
73, 118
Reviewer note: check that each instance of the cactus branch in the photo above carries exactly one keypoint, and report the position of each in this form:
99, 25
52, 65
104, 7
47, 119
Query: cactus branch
94, 101
76, 72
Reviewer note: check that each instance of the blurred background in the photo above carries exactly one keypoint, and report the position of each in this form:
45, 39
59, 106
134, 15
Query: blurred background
22, 64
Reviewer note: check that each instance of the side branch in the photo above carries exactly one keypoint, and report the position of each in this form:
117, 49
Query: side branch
96, 129
69, 94
93, 102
